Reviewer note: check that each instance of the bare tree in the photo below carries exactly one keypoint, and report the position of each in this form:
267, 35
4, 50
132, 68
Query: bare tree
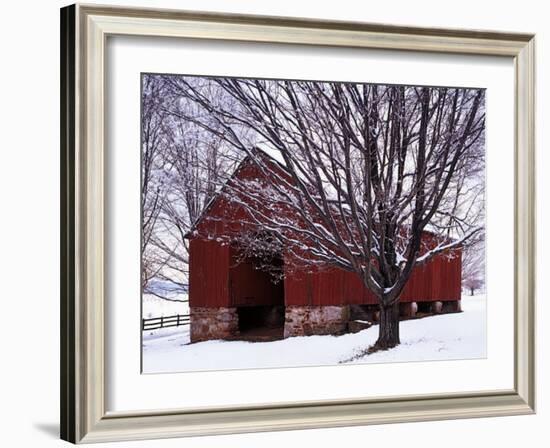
473, 267
361, 172
190, 163
152, 141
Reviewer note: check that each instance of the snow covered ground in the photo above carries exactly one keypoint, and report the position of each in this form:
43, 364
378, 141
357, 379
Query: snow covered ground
442, 337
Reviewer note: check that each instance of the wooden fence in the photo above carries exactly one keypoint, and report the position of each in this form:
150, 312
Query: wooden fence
155, 323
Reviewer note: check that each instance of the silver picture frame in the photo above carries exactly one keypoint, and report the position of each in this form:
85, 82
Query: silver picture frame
84, 418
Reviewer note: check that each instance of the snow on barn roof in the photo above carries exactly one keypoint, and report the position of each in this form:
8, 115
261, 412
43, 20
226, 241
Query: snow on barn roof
250, 157
261, 155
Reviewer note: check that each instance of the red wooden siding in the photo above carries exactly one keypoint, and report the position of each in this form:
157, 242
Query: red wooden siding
320, 288
208, 274
439, 279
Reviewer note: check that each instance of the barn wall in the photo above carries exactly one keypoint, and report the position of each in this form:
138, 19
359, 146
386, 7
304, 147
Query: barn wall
438, 280
315, 289
208, 274
227, 285
354, 291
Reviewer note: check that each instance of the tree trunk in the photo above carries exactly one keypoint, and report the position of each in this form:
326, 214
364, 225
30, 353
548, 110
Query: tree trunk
388, 335
471, 291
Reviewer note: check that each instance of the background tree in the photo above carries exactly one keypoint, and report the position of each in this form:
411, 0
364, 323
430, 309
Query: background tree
473, 267
362, 172
183, 166
153, 141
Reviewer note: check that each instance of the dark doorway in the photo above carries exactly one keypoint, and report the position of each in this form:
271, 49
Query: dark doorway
257, 291
261, 323
423, 308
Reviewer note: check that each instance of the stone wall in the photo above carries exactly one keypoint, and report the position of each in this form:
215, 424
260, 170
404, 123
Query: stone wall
407, 310
223, 323
310, 320
213, 323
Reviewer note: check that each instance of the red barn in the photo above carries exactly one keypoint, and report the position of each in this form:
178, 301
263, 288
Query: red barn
231, 298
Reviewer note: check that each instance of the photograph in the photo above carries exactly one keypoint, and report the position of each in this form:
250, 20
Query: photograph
294, 223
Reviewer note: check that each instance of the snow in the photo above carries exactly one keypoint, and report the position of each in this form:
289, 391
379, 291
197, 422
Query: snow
442, 337
156, 307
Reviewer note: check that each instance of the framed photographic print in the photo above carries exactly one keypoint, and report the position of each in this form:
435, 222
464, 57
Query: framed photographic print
277, 223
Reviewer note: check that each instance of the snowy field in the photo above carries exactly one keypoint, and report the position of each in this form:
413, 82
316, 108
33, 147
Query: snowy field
156, 307
442, 337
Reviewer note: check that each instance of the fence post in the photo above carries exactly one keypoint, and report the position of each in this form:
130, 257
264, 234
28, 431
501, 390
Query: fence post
178, 321
161, 321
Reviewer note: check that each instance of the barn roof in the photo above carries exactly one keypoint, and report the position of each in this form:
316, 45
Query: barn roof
243, 163
262, 155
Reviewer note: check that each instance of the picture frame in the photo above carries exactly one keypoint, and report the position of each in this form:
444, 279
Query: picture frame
84, 415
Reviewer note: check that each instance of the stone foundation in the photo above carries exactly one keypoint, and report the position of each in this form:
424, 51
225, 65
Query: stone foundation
213, 323
440, 307
407, 310
311, 320
453, 306
223, 323
437, 307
